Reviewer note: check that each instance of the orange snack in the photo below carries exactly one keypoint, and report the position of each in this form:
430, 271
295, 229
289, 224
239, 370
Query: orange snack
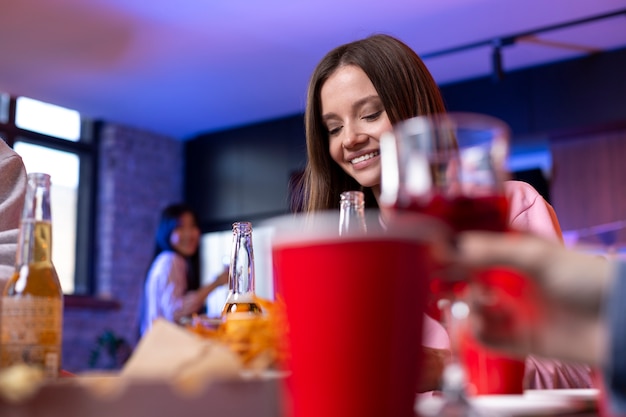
257, 339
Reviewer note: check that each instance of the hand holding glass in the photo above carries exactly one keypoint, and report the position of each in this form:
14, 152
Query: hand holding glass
453, 166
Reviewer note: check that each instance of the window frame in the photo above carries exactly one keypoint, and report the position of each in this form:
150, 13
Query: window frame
86, 148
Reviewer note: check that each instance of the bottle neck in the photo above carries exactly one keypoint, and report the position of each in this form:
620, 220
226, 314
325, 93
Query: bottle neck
241, 273
35, 238
352, 213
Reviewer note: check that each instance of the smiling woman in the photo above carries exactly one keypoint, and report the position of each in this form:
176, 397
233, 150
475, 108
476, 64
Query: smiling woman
351, 121
357, 92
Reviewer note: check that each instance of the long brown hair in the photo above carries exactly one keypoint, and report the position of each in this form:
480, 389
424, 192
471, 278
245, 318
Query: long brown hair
406, 89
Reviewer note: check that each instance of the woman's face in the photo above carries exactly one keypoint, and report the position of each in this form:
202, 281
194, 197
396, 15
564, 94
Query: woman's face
355, 118
186, 237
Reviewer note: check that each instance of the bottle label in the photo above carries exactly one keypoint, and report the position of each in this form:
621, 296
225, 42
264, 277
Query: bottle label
31, 332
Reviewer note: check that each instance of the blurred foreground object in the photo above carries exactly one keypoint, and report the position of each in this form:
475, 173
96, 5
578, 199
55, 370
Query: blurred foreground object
169, 352
172, 369
19, 382
241, 296
258, 339
31, 318
571, 290
354, 307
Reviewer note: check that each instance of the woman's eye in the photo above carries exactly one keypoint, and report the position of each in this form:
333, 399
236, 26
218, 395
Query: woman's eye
373, 116
334, 130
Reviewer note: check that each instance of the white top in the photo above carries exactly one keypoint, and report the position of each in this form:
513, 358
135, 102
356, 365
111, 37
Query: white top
165, 287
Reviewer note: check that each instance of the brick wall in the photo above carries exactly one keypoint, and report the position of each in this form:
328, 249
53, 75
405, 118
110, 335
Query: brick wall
139, 173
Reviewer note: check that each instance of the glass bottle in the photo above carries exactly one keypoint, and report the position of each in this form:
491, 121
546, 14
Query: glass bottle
241, 297
352, 213
31, 318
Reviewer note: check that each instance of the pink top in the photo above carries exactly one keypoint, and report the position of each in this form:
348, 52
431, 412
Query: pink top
530, 212
434, 334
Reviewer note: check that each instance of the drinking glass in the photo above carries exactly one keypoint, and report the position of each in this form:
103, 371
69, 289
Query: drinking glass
453, 166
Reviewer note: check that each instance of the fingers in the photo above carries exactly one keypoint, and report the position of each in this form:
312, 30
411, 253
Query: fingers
499, 320
514, 249
475, 251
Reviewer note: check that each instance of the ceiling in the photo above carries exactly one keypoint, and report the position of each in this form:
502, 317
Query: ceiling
186, 67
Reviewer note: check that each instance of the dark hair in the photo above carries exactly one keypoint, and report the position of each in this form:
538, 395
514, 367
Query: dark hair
170, 220
406, 89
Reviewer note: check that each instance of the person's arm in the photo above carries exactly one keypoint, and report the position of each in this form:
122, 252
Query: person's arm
166, 288
567, 288
436, 354
12, 193
586, 291
176, 300
193, 300
434, 361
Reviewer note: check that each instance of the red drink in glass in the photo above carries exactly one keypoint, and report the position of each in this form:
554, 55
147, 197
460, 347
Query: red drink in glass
488, 371
461, 213
464, 213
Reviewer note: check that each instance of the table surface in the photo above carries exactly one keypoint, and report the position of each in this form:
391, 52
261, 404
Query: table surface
565, 402
262, 398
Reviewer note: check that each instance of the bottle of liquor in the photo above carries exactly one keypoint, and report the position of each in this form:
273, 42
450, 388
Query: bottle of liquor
31, 317
352, 213
241, 296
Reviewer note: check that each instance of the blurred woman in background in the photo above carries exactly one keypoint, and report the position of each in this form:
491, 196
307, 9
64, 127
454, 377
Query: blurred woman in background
172, 288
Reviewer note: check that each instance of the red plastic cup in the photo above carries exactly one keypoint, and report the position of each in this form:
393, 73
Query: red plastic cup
355, 312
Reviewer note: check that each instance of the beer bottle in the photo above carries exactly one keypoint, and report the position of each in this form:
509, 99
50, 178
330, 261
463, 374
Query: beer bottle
241, 296
352, 213
31, 318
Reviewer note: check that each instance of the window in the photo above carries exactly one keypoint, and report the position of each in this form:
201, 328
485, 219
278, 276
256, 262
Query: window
57, 141
48, 119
